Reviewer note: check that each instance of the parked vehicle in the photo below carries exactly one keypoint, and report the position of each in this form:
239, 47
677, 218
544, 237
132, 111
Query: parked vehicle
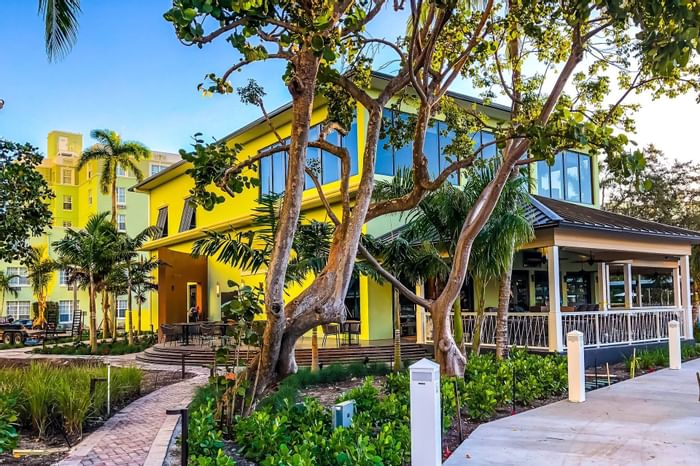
13, 333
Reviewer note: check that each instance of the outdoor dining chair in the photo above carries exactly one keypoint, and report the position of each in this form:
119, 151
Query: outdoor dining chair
331, 329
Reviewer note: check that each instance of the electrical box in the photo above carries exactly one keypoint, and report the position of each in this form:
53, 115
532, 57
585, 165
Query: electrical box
342, 414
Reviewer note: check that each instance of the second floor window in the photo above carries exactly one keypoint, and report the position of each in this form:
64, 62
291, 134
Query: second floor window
63, 277
157, 168
121, 171
121, 222
273, 169
20, 276
121, 308
121, 197
162, 222
66, 176
569, 178
67, 202
189, 216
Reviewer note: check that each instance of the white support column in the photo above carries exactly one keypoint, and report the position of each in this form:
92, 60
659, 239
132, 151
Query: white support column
603, 289
639, 290
555, 336
627, 273
686, 297
576, 366
420, 315
676, 277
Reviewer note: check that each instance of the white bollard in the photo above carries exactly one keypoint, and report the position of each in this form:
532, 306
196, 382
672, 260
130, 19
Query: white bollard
674, 345
576, 366
426, 417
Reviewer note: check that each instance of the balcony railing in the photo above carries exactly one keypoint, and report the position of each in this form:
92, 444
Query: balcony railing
599, 328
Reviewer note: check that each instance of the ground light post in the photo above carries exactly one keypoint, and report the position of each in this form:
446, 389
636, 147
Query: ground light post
426, 418
576, 366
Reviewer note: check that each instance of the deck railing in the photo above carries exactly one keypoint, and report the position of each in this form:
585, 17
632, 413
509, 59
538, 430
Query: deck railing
607, 328
599, 328
525, 329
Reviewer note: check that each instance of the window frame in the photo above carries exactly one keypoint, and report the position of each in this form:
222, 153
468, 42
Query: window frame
19, 305
562, 156
67, 202
71, 173
121, 311
120, 222
162, 222
69, 313
188, 220
22, 280
121, 193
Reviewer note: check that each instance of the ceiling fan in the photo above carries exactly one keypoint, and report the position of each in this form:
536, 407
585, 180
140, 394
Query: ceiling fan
590, 259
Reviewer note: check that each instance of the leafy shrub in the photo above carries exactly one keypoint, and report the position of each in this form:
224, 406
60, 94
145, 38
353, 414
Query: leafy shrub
38, 386
204, 436
221, 459
8, 420
72, 394
107, 348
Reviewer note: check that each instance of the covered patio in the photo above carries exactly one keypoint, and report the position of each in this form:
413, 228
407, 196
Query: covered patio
617, 279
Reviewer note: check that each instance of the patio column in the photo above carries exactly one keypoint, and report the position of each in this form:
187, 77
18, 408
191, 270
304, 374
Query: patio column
555, 337
686, 300
627, 273
676, 277
420, 314
603, 288
639, 290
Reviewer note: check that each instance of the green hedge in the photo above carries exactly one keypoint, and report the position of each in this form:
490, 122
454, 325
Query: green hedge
116, 348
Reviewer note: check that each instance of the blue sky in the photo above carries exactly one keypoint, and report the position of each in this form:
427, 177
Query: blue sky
128, 72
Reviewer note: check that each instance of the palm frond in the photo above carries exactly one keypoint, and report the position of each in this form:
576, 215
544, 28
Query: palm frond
60, 26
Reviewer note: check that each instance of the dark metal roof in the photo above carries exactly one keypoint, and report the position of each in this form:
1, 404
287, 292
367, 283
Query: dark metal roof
547, 213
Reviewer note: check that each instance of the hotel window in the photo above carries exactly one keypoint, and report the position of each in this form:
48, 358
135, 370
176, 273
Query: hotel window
89, 170
18, 310
568, 178
67, 224
121, 197
66, 176
21, 276
189, 216
157, 168
65, 311
121, 308
438, 137
63, 277
273, 169
90, 198
121, 223
67, 202
121, 171
162, 222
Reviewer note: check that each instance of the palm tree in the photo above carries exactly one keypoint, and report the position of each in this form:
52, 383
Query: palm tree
40, 268
142, 282
61, 26
492, 253
6, 287
130, 266
114, 154
90, 255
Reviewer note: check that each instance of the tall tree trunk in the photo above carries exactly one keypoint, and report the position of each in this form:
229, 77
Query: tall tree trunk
138, 317
128, 310
397, 329
458, 324
93, 316
480, 290
113, 311
314, 349
114, 196
268, 368
76, 307
105, 315
502, 313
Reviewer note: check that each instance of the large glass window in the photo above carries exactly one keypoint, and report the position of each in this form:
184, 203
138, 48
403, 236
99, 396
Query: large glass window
273, 169
578, 288
65, 311
20, 276
121, 308
352, 300
18, 310
568, 178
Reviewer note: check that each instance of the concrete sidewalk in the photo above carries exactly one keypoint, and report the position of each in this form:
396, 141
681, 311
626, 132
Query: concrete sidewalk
653, 419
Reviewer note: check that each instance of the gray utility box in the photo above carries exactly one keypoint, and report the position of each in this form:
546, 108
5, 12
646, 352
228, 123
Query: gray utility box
342, 414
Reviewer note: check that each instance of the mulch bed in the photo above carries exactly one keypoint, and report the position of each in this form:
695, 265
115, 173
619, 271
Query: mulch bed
152, 380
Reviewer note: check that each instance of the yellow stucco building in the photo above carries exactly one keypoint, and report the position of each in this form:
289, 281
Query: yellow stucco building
617, 279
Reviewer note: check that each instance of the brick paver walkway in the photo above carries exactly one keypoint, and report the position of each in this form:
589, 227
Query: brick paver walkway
138, 434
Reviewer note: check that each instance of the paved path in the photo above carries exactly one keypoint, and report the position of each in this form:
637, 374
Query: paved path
653, 419
140, 433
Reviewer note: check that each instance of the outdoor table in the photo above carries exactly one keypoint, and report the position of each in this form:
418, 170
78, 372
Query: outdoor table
186, 331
